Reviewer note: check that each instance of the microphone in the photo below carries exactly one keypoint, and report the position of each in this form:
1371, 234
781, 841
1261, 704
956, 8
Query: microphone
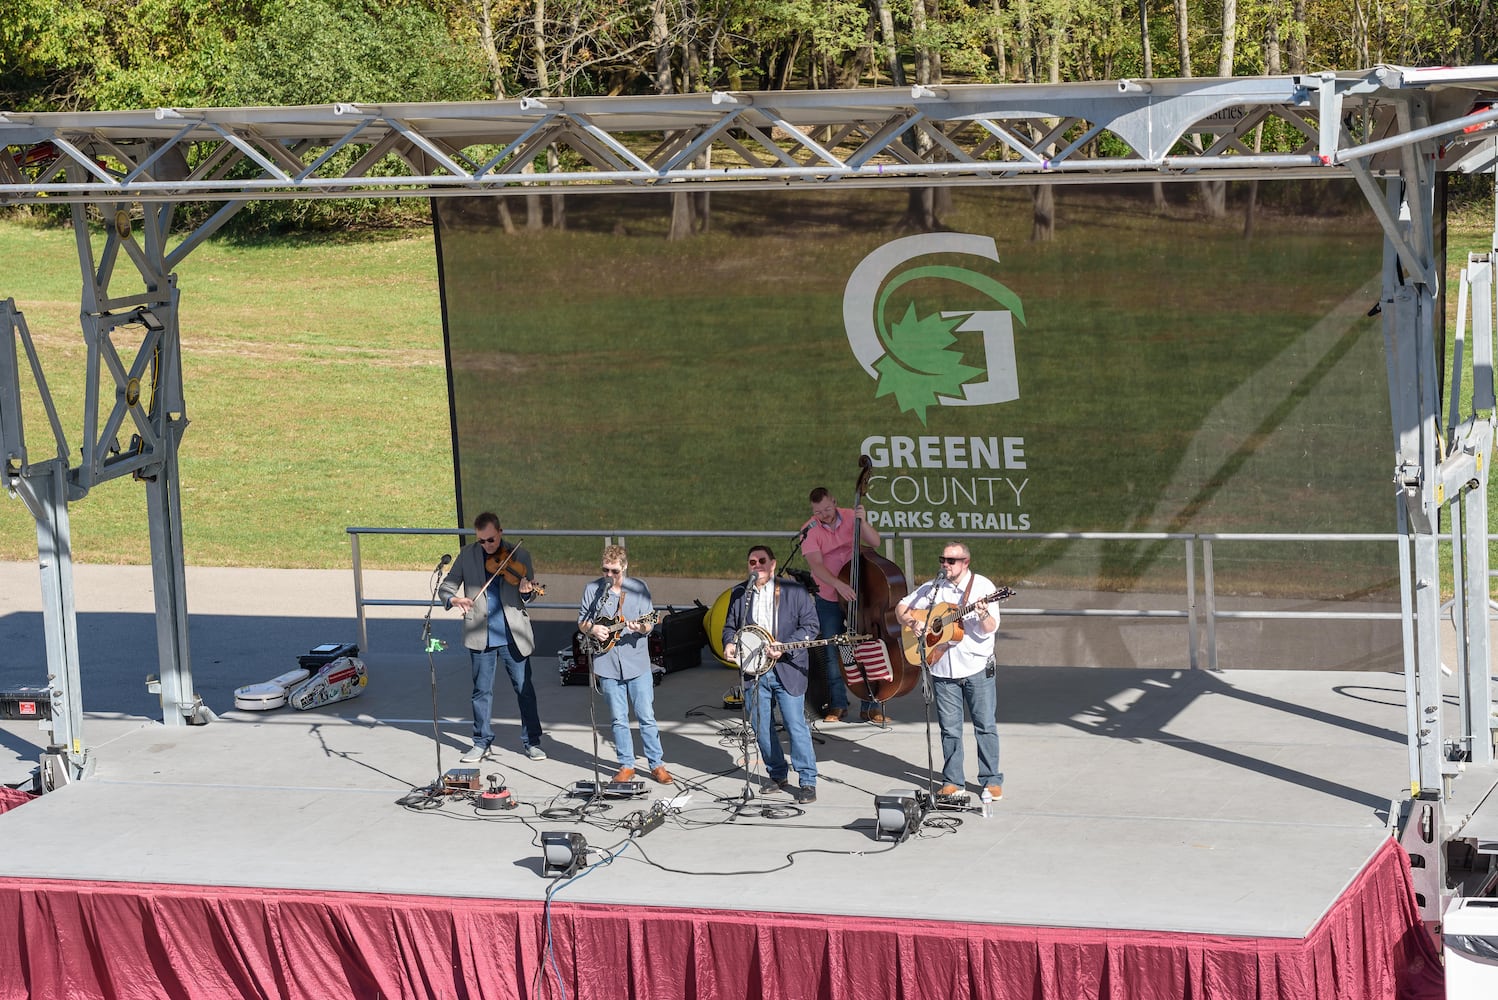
805, 530
445, 560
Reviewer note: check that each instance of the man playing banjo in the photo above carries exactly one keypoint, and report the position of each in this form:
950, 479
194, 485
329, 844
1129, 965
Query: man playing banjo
763, 614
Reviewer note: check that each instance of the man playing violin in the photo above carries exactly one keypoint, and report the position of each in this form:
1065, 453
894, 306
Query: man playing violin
783, 609
496, 578
962, 673
616, 610
828, 545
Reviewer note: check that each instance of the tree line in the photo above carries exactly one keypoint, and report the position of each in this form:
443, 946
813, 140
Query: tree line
115, 54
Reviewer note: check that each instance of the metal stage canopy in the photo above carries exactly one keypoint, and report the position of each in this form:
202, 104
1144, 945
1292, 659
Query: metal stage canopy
1390, 129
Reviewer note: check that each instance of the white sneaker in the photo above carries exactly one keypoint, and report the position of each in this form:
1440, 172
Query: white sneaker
535, 753
475, 755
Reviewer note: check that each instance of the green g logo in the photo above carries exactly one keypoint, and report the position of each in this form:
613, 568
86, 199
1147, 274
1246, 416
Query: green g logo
910, 344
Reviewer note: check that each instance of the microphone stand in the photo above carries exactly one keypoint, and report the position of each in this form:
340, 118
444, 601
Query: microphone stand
928, 692
747, 794
809, 581
434, 645
593, 700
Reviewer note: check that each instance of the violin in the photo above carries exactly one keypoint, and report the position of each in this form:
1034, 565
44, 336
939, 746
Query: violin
499, 566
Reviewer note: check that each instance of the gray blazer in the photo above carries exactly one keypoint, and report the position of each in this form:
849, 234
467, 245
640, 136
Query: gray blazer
469, 573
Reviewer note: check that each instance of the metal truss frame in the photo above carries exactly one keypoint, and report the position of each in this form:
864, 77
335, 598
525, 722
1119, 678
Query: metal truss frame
1390, 129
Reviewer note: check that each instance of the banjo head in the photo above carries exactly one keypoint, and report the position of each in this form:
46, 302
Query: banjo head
753, 643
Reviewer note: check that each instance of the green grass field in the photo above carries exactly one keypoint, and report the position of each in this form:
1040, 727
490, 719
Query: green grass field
316, 391
316, 388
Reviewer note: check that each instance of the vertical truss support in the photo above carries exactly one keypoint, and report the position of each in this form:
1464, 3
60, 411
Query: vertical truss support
1408, 310
43, 487
141, 388
1433, 469
1465, 479
44, 490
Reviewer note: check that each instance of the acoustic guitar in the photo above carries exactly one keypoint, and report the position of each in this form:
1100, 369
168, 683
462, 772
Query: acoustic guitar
943, 627
593, 646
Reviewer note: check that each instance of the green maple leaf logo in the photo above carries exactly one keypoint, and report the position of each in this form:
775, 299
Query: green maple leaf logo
921, 364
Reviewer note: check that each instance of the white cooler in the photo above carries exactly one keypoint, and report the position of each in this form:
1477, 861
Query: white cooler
1470, 934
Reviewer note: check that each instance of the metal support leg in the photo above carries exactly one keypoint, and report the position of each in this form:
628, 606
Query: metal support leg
179, 704
44, 491
1478, 668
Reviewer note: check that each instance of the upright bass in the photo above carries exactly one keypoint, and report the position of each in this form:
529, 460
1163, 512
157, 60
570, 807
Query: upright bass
877, 671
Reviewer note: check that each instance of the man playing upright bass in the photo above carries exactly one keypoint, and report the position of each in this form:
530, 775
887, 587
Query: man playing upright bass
828, 545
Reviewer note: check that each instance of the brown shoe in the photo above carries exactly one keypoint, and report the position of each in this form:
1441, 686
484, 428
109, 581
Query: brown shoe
833, 716
873, 715
996, 792
946, 791
664, 776
624, 774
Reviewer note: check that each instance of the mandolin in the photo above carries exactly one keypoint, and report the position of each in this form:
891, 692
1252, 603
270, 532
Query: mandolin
943, 627
593, 646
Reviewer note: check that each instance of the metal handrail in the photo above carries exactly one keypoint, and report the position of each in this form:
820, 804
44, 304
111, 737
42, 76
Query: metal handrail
907, 539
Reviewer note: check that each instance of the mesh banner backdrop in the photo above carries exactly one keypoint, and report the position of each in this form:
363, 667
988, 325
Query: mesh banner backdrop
1144, 371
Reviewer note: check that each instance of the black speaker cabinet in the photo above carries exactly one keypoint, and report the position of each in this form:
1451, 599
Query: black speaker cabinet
677, 640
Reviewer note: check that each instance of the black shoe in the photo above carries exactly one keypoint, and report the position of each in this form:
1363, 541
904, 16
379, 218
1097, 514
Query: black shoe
805, 794
784, 785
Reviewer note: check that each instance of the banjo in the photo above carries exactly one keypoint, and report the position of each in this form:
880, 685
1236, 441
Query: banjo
755, 643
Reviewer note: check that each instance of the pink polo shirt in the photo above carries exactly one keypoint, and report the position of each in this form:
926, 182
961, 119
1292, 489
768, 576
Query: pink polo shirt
834, 544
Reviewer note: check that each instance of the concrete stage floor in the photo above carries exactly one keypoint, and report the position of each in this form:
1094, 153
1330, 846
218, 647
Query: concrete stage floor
1240, 802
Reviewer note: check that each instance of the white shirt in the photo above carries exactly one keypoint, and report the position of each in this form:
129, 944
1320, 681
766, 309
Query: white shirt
970, 655
762, 606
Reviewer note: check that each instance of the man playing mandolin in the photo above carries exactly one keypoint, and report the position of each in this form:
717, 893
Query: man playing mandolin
961, 662
769, 625
496, 578
615, 618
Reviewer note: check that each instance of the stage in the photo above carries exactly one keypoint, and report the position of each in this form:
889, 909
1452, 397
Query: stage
1163, 833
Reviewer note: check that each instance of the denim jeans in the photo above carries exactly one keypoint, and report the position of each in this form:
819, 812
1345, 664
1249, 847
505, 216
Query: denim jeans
832, 620
978, 694
769, 693
640, 692
485, 665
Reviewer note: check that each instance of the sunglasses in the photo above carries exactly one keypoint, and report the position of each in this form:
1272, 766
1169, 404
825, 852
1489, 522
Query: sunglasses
611, 572
759, 562
953, 559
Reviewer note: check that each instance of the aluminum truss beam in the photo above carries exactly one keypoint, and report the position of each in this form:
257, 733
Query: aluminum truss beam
1079, 133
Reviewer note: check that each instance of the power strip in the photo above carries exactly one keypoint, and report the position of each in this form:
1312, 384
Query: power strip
611, 789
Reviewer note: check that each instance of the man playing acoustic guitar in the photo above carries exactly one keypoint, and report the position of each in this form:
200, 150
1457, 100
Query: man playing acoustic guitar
961, 662
615, 617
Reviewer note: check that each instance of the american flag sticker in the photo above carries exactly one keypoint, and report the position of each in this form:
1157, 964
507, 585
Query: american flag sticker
873, 658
